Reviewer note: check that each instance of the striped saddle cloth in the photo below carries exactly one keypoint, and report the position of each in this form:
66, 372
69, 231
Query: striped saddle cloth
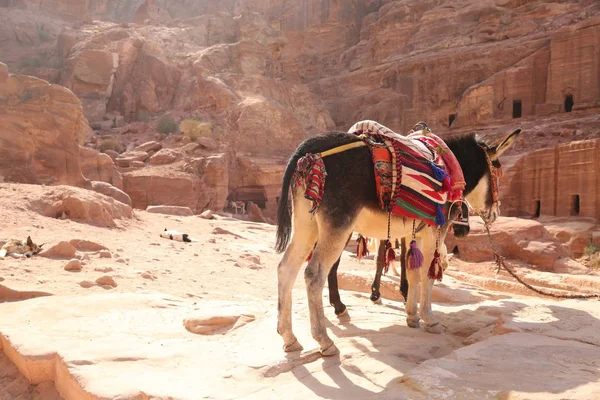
413, 178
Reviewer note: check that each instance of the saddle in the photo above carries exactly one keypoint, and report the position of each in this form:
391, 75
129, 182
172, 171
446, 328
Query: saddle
416, 175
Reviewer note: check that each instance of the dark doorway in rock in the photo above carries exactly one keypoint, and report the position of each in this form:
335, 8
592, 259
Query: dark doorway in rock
455, 251
255, 194
517, 108
575, 204
569, 103
276, 200
538, 208
451, 119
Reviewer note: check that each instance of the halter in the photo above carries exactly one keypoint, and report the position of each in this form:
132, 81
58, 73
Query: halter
495, 174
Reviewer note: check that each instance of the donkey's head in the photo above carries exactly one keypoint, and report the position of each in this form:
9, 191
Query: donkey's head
482, 171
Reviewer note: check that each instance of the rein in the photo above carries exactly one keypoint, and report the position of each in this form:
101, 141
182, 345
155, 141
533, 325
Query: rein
501, 263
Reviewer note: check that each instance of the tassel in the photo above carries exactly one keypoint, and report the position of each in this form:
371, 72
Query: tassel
447, 184
361, 247
414, 257
438, 173
439, 215
390, 256
435, 269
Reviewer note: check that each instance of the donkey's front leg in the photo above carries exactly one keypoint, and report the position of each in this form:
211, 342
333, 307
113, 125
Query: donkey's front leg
412, 316
432, 325
329, 247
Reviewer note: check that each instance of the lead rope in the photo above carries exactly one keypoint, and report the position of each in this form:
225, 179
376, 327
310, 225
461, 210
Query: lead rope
501, 263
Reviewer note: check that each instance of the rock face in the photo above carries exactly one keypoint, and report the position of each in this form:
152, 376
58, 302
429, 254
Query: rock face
200, 183
562, 181
39, 147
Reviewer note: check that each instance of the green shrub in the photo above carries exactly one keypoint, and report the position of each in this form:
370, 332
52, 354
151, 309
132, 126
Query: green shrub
167, 125
143, 116
110, 143
195, 129
32, 62
43, 34
591, 249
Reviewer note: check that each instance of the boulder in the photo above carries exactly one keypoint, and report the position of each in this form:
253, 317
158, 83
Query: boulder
202, 184
86, 245
73, 266
207, 143
164, 156
85, 206
148, 147
109, 190
170, 210
62, 250
97, 166
133, 156
516, 238
255, 213
51, 155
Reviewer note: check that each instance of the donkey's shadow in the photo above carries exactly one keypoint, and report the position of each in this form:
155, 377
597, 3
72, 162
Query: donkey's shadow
560, 322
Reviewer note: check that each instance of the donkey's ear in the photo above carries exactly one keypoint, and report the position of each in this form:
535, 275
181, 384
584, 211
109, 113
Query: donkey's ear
503, 144
29, 241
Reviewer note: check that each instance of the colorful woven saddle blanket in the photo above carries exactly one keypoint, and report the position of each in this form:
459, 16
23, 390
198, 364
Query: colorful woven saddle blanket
416, 175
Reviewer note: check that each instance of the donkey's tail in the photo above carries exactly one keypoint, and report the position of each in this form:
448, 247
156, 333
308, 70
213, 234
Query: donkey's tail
284, 211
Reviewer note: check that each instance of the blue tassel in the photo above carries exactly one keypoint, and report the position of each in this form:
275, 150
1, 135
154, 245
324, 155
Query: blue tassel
439, 216
438, 173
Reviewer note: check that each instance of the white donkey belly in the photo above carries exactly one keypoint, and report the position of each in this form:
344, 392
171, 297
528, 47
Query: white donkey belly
374, 224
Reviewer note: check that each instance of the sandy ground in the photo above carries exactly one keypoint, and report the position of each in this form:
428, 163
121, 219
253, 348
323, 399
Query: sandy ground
197, 320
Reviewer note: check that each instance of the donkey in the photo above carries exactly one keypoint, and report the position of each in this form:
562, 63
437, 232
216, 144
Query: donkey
350, 203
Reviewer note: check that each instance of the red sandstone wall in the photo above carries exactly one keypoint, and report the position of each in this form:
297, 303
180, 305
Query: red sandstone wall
553, 177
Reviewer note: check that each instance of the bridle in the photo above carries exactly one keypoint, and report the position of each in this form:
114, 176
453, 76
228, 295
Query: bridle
495, 174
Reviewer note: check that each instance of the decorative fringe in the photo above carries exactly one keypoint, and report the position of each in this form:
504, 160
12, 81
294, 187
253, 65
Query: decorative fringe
390, 256
361, 247
414, 256
438, 173
312, 169
435, 269
439, 215
447, 184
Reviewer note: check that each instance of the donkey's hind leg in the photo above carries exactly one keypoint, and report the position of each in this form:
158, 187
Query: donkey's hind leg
303, 240
330, 244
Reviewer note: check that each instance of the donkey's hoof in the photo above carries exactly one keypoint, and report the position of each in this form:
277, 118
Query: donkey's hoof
296, 346
332, 350
412, 323
377, 300
344, 314
435, 327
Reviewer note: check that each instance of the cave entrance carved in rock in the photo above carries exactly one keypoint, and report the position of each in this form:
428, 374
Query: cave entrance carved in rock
569, 103
538, 208
255, 194
575, 205
517, 108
